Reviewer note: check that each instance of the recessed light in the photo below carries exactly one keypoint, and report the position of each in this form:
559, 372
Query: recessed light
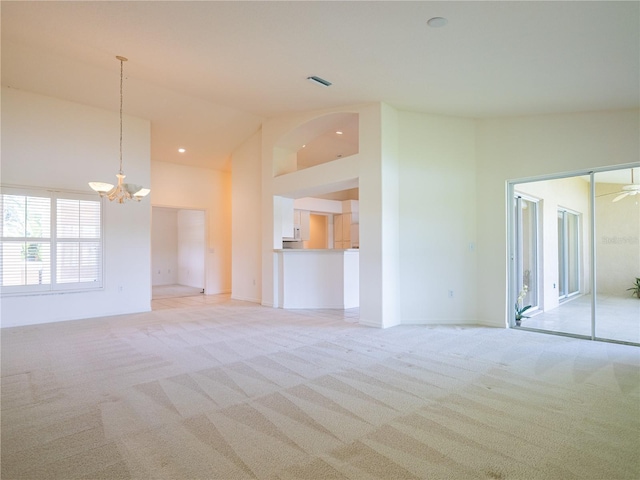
437, 22
338, 133
181, 150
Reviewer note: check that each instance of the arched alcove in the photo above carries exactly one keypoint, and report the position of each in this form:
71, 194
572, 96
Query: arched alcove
321, 140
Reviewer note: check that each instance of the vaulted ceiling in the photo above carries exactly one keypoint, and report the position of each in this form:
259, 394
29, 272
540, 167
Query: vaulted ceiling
206, 74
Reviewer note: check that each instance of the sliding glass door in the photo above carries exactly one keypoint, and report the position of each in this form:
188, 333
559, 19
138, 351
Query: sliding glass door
575, 254
617, 215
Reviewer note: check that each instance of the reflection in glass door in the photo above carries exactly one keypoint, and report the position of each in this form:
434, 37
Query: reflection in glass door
526, 257
587, 254
617, 217
568, 254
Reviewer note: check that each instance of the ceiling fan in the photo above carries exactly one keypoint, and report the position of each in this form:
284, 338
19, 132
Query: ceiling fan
632, 189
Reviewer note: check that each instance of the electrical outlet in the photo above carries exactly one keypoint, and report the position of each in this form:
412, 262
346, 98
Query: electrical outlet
450, 293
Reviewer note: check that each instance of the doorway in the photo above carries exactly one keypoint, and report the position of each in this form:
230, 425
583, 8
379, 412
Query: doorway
177, 252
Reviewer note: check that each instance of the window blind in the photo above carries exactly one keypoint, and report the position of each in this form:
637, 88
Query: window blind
32, 259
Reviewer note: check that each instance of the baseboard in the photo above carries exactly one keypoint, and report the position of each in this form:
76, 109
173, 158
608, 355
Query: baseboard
246, 299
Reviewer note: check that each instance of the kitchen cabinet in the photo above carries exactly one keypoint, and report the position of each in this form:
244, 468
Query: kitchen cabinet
342, 231
284, 213
302, 219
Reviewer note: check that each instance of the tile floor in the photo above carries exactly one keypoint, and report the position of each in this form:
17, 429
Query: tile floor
617, 318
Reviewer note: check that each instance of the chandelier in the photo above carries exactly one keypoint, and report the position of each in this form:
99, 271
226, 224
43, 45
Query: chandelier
122, 191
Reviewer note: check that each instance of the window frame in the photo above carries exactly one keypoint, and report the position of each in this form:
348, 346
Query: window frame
565, 254
54, 287
535, 293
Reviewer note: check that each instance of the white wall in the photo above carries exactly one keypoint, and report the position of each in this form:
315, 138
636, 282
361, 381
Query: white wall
164, 246
246, 225
437, 219
191, 248
518, 148
184, 187
52, 143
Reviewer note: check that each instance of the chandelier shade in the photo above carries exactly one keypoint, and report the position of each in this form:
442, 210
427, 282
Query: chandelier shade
122, 191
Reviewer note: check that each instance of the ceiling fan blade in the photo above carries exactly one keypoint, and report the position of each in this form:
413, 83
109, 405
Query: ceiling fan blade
621, 196
610, 193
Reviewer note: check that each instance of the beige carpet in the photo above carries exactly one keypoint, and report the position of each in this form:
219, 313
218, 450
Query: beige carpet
173, 291
235, 390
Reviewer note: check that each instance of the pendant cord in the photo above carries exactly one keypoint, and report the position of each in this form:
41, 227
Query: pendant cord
121, 70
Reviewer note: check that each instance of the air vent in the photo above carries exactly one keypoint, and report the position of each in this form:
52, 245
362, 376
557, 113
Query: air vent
319, 81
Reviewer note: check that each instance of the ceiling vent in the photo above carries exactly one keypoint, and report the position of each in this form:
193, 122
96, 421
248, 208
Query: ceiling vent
319, 81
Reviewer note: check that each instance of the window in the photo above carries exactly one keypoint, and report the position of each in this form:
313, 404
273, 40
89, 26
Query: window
51, 241
526, 252
568, 253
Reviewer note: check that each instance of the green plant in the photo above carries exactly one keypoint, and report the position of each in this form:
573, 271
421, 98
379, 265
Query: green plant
520, 308
636, 288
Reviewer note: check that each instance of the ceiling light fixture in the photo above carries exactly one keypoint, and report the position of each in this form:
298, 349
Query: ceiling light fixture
338, 133
437, 22
181, 150
122, 191
319, 81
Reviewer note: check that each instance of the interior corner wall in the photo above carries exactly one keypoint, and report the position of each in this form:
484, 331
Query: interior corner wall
246, 229
186, 187
51, 143
438, 258
389, 229
526, 147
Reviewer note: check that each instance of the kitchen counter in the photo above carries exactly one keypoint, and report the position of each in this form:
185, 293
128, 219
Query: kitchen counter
318, 278
327, 250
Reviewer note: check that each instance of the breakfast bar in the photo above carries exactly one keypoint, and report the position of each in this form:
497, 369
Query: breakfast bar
318, 278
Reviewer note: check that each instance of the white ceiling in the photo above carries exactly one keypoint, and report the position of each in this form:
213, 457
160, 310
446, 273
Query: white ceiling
208, 73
